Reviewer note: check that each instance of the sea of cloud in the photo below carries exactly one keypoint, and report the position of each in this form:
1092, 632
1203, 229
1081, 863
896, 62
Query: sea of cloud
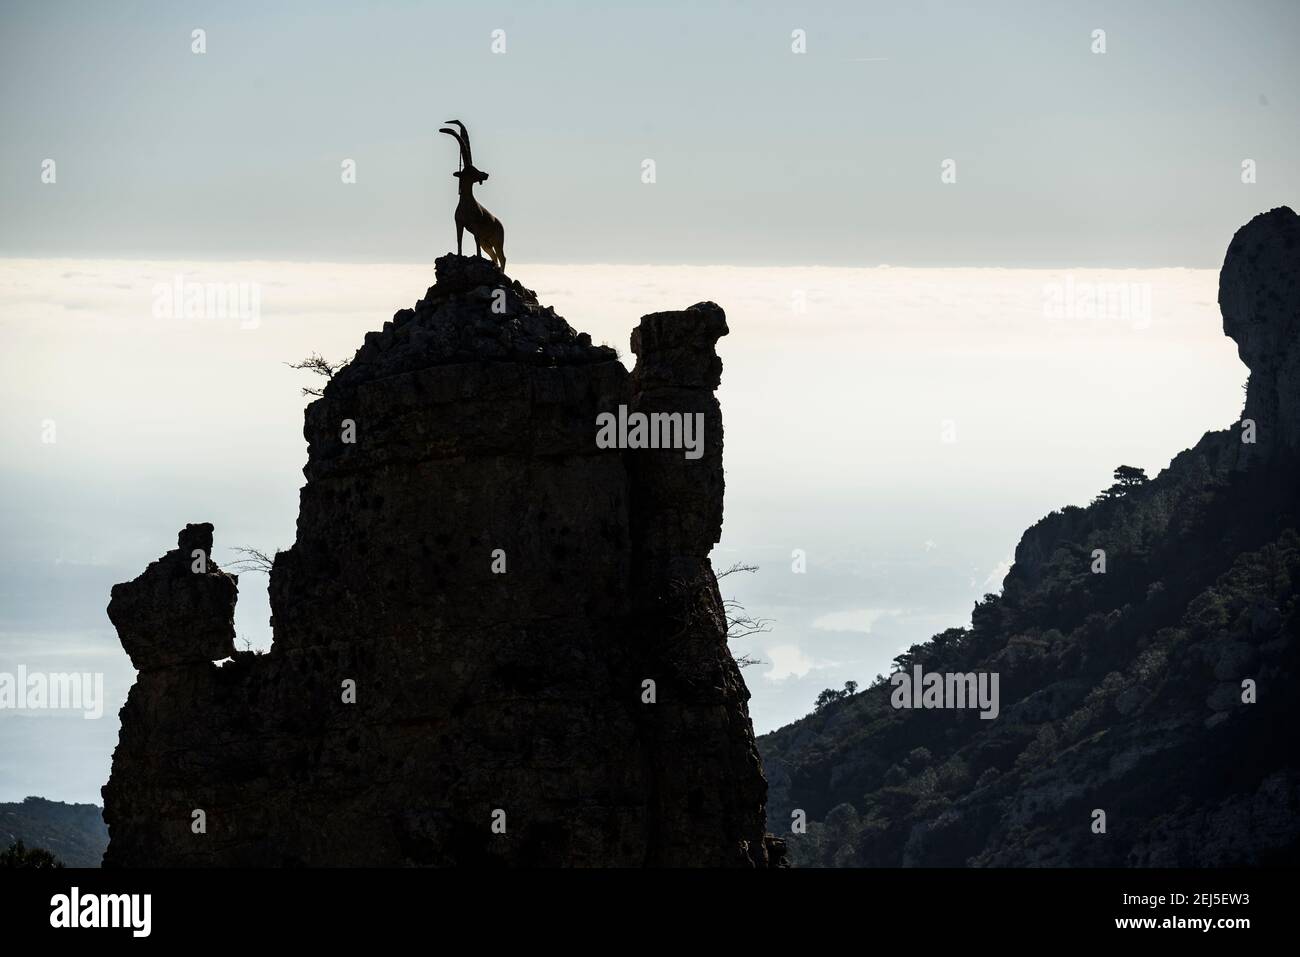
889, 431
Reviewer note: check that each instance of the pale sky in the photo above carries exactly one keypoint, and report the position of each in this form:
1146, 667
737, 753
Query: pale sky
1131, 157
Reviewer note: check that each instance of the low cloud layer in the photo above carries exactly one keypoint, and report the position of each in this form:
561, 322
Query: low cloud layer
898, 427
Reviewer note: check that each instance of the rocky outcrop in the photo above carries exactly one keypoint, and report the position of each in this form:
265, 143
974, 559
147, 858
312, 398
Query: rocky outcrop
1259, 296
495, 641
180, 610
1147, 705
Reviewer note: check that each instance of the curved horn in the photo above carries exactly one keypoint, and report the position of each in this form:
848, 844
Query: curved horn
464, 146
469, 154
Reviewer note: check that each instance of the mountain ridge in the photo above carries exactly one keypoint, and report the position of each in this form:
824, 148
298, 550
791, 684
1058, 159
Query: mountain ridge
1122, 689
74, 833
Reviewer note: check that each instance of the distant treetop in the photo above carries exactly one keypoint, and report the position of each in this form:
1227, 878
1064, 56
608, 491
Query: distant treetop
1127, 478
22, 857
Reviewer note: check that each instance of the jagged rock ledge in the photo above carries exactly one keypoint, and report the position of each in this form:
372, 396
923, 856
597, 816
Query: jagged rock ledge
473, 313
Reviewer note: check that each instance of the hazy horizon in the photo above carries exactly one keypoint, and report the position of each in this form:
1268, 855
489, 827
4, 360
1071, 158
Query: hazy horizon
838, 388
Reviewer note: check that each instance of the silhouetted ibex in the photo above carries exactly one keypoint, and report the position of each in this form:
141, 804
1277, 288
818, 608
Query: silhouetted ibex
486, 229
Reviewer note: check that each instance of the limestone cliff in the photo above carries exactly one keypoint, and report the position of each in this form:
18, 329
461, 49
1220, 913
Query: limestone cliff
495, 643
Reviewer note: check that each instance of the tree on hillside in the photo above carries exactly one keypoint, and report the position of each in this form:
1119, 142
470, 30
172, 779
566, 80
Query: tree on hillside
830, 694
826, 697
1127, 478
24, 858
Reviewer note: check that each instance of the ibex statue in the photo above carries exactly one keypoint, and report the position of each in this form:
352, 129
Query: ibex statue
486, 229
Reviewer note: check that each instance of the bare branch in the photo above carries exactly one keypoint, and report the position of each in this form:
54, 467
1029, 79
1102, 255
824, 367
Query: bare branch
699, 607
737, 567
742, 626
252, 560
320, 366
